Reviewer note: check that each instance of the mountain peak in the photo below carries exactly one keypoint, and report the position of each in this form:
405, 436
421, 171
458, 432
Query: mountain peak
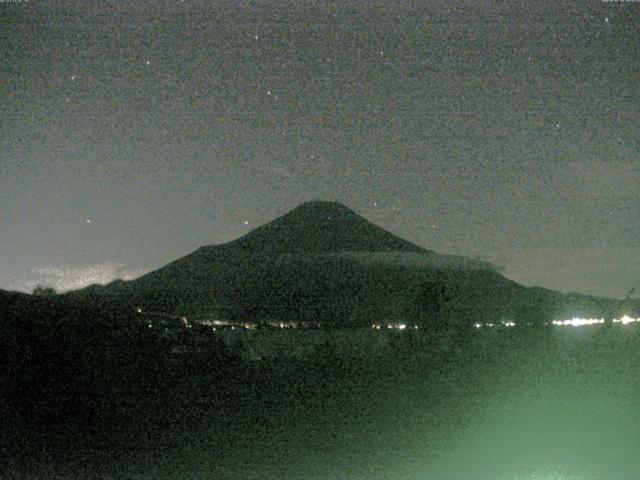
322, 206
322, 227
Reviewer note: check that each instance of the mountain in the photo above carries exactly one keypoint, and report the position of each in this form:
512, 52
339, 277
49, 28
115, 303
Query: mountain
11, 302
321, 227
16, 307
322, 262
313, 230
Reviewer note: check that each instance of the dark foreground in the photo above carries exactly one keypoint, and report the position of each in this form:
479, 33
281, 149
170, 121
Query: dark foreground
554, 404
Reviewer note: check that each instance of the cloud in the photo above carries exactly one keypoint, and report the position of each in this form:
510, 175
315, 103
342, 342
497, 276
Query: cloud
64, 278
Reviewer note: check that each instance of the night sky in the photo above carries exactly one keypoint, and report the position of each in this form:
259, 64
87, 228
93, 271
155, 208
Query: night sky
132, 133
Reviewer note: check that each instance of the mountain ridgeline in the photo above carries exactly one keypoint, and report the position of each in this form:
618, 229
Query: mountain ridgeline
323, 263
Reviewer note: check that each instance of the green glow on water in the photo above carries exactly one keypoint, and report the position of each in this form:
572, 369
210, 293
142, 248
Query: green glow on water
502, 404
569, 411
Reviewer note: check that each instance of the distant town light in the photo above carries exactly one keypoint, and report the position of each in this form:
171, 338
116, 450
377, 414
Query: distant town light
578, 322
625, 320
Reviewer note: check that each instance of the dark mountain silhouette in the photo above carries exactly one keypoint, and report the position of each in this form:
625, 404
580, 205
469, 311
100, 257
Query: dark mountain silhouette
321, 227
322, 262
312, 230
11, 303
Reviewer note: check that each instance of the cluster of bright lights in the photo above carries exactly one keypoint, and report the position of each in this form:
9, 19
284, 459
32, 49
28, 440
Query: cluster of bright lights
392, 326
578, 322
573, 322
507, 323
626, 319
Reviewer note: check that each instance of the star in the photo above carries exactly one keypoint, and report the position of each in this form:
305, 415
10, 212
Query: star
246, 222
88, 220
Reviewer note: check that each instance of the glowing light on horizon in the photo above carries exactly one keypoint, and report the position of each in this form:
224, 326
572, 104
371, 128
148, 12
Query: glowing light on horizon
65, 278
578, 322
392, 326
506, 323
626, 319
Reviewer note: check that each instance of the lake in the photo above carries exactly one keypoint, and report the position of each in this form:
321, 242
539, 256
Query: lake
559, 403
